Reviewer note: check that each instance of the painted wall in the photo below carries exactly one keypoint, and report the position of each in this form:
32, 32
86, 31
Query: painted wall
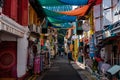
97, 17
22, 55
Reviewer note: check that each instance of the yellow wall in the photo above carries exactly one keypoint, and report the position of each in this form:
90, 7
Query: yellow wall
33, 18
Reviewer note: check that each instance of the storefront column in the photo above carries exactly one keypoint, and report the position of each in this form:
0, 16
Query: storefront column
22, 44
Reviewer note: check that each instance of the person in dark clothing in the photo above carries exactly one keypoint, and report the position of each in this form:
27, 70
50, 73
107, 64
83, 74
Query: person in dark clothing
69, 56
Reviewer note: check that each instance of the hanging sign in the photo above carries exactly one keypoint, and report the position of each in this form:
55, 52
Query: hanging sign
92, 47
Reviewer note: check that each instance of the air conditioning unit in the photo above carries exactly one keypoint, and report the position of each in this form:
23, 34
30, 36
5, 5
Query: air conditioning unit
32, 28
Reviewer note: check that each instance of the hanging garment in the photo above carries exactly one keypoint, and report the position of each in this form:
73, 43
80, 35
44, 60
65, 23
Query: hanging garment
37, 65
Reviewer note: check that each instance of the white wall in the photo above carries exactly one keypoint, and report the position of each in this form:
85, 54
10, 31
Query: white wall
22, 55
97, 17
116, 9
106, 4
107, 17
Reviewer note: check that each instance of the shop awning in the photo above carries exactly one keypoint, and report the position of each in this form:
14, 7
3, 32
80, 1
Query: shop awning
77, 12
108, 40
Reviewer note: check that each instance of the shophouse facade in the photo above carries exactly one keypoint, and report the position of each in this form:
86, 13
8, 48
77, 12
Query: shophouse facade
13, 38
107, 23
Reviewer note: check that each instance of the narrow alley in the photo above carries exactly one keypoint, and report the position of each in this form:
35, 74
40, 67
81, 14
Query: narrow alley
59, 39
61, 70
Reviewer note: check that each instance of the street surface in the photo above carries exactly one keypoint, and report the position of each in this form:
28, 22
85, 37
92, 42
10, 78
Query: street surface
61, 70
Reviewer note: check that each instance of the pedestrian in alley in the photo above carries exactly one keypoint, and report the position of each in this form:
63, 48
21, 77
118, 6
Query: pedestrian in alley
69, 56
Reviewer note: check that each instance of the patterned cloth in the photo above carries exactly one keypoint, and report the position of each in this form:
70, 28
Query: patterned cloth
37, 65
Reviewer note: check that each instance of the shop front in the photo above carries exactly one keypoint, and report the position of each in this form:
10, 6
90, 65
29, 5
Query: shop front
12, 37
108, 48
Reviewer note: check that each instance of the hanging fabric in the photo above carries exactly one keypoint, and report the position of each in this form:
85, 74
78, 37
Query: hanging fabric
51, 13
59, 8
52, 20
49, 2
69, 33
77, 12
96, 2
75, 2
62, 19
66, 18
59, 16
62, 25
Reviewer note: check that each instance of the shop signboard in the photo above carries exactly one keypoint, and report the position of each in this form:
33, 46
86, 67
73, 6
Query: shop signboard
92, 47
98, 37
106, 4
107, 17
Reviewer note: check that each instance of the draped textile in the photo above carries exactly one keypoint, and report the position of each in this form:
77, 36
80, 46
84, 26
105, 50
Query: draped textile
64, 25
59, 8
60, 27
53, 20
52, 13
77, 12
59, 16
95, 1
69, 33
74, 2
66, 18
50, 2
